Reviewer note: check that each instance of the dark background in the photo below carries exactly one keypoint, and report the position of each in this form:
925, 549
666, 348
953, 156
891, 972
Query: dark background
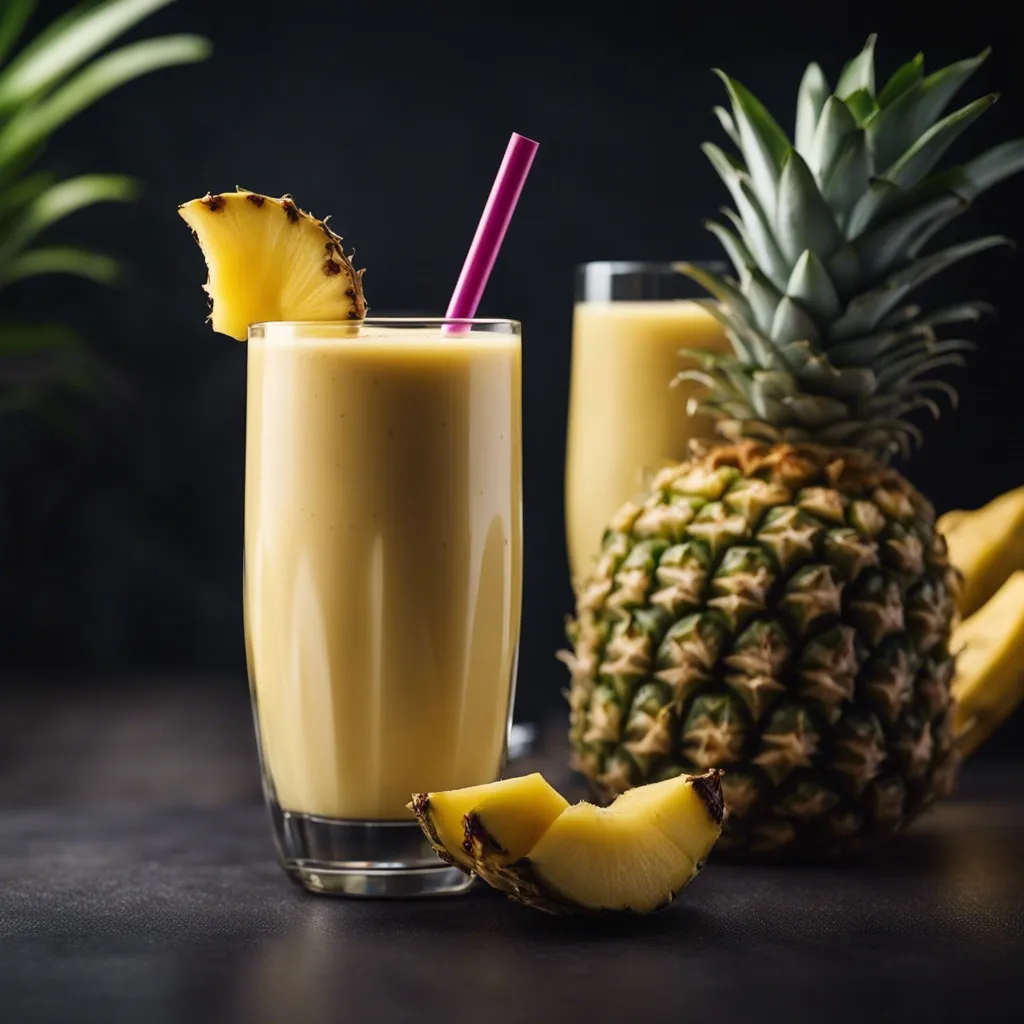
120, 538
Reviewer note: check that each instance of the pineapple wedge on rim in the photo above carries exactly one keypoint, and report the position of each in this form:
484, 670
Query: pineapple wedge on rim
633, 856
269, 260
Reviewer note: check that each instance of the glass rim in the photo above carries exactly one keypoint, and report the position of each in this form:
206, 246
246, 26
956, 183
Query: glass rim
399, 321
650, 266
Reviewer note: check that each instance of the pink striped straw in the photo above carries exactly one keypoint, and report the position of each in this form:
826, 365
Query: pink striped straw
490, 232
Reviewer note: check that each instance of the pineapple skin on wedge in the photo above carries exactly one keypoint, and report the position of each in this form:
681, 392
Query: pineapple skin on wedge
268, 260
633, 856
517, 812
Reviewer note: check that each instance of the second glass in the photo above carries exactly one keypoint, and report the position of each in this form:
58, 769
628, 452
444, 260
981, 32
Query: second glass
383, 567
632, 323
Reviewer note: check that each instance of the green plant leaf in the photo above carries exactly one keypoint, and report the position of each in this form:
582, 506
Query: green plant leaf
850, 175
817, 411
741, 230
728, 125
880, 198
726, 293
821, 377
65, 44
963, 312
803, 219
812, 287
929, 149
889, 245
844, 269
762, 141
859, 73
868, 310
810, 102
910, 357
22, 192
914, 366
902, 317
763, 243
929, 230
861, 104
13, 18
792, 323
763, 297
733, 245
992, 167
903, 78
898, 125
33, 124
729, 169
867, 350
748, 343
60, 260
60, 200
835, 126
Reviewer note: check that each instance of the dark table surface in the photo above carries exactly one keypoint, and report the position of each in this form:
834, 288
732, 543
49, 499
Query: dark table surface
143, 889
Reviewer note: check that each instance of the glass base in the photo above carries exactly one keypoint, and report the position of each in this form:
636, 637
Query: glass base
362, 858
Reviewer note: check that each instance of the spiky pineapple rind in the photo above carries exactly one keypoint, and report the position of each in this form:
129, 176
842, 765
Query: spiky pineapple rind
708, 787
801, 761
420, 807
522, 883
478, 843
335, 262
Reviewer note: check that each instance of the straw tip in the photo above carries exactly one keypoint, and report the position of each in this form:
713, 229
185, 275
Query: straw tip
524, 141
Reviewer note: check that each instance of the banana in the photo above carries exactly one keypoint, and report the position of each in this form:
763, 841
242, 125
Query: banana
989, 682
986, 545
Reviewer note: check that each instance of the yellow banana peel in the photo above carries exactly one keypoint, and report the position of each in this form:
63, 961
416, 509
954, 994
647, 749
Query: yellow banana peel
989, 680
986, 545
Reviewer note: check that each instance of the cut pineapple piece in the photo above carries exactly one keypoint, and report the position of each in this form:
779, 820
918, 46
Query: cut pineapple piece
634, 855
269, 260
501, 819
986, 545
605, 859
989, 680
690, 815
508, 822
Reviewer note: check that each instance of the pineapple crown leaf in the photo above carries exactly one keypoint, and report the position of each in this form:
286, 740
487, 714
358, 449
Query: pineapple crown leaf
828, 237
859, 73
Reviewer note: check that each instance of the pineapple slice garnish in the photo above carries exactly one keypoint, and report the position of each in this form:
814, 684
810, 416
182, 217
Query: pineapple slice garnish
989, 680
518, 812
633, 856
269, 260
986, 545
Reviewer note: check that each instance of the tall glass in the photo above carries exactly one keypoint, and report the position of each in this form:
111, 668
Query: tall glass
383, 574
632, 323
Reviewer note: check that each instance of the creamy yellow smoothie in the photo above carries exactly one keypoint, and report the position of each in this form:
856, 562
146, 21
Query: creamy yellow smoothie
383, 560
625, 421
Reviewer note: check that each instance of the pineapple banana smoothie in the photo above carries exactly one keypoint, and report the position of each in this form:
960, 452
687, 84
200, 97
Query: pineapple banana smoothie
625, 421
383, 536
383, 560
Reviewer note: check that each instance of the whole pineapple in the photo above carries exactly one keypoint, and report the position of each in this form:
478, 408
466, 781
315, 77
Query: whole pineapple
780, 606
